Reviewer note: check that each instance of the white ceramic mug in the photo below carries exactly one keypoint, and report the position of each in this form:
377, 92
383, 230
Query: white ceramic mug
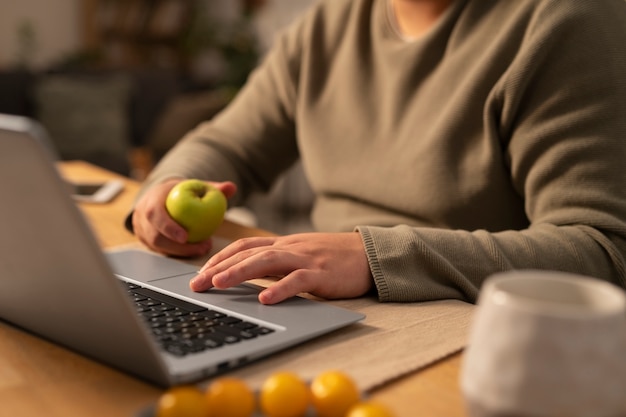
546, 344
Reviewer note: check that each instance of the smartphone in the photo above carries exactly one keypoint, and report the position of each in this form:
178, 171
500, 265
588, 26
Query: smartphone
96, 192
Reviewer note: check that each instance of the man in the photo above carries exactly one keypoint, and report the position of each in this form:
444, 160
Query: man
445, 140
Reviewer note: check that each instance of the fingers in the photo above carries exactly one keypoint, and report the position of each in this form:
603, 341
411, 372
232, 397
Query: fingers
326, 265
236, 248
240, 261
241, 267
164, 225
297, 282
157, 230
228, 188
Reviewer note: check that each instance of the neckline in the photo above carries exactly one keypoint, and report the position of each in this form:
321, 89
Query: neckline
392, 21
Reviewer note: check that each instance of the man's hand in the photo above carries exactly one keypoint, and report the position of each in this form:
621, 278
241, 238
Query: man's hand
158, 231
328, 265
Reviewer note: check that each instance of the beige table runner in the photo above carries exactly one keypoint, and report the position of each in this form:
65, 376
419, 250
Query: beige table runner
393, 340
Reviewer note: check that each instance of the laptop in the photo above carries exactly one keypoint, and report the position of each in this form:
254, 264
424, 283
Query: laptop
118, 307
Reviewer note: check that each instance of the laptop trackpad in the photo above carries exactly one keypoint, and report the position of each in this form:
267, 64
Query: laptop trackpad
146, 267
171, 275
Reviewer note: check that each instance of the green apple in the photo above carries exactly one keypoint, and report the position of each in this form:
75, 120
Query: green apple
198, 207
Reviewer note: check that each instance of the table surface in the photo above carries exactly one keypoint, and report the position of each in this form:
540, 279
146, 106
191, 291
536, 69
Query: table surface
38, 378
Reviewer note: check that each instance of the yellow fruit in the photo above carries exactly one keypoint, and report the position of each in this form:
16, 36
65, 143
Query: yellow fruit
333, 393
284, 394
183, 401
230, 397
369, 409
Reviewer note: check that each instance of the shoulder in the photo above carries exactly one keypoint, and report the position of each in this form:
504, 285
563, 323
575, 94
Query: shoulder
545, 29
584, 17
579, 9
582, 29
558, 13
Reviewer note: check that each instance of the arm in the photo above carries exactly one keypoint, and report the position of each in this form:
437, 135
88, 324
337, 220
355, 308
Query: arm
244, 148
252, 140
559, 116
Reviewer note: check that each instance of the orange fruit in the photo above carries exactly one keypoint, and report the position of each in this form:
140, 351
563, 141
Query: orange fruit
284, 394
333, 393
230, 397
183, 401
369, 409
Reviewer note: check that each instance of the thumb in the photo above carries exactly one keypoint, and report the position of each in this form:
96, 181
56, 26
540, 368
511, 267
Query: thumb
228, 188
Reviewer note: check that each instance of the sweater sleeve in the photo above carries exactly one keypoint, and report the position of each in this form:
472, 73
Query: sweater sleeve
561, 113
252, 140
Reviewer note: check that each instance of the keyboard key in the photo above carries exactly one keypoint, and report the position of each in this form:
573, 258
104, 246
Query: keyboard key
182, 304
182, 327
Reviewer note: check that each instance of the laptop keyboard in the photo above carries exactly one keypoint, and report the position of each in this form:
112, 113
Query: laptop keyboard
182, 328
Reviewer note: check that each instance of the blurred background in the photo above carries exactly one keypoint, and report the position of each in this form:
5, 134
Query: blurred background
118, 82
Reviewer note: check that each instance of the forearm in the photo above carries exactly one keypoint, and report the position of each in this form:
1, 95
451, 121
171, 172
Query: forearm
250, 142
423, 264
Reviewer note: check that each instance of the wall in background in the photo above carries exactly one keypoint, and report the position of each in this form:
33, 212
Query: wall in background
276, 15
37, 32
40, 32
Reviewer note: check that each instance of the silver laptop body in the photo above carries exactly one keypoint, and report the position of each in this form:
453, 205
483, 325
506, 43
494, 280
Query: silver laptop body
56, 282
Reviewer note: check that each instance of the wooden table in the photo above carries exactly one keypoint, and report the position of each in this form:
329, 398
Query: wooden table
38, 378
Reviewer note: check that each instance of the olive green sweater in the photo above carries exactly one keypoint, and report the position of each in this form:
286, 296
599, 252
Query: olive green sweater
496, 141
